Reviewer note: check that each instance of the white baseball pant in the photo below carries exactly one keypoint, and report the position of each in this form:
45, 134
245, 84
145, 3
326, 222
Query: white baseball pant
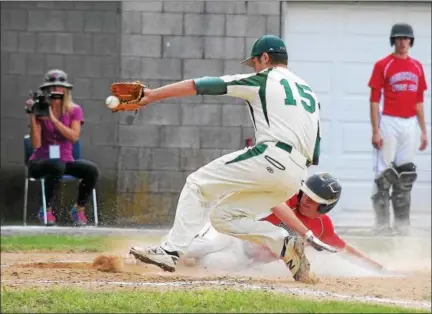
233, 190
399, 143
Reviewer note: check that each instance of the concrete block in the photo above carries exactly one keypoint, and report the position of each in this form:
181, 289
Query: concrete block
63, 43
104, 156
4, 62
109, 67
106, 45
26, 83
249, 42
100, 88
93, 21
183, 6
82, 43
75, 21
234, 115
53, 61
160, 114
183, 47
179, 137
200, 114
133, 181
165, 159
273, 25
4, 18
82, 87
17, 63
47, 20
236, 67
103, 134
198, 68
75, 65
245, 25
111, 22
166, 181
141, 45
142, 6
26, 42
112, 6
36, 64
161, 69
263, 7
207, 99
45, 42
9, 40
134, 158
162, 23
223, 48
131, 22
220, 137
84, 5
56, 5
192, 159
18, 20
208, 24
226, 7
130, 67
140, 135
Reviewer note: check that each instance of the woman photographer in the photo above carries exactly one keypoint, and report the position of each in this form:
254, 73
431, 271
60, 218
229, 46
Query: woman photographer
52, 136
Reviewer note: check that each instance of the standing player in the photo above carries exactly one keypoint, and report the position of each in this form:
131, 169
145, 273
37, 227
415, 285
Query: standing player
316, 198
394, 130
235, 188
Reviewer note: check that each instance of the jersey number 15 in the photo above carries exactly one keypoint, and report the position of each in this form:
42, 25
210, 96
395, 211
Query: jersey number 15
307, 99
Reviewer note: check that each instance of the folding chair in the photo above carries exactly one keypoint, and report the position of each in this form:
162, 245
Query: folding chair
28, 150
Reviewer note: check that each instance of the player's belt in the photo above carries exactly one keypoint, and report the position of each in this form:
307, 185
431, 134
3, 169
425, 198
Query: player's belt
288, 148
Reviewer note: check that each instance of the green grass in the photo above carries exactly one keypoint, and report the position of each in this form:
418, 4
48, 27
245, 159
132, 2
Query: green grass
204, 301
52, 242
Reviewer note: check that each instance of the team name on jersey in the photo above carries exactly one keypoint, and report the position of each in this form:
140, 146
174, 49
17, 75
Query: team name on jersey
404, 76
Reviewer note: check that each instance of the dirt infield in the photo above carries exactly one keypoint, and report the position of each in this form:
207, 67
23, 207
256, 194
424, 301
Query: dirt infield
106, 272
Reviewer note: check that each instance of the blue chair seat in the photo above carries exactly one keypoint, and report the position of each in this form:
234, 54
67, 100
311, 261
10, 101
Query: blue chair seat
28, 150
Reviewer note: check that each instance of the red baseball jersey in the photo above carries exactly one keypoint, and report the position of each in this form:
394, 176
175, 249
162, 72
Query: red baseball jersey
321, 226
403, 84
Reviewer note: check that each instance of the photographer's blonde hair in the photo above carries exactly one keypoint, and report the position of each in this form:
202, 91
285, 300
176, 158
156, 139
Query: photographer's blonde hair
67, 104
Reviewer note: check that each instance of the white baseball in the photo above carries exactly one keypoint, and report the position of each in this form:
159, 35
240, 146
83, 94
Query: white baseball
112, 102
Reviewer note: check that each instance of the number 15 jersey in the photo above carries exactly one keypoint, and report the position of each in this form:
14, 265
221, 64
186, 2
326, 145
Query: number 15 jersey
282, 107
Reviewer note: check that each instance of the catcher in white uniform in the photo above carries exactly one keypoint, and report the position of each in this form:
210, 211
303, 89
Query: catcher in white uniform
234, 189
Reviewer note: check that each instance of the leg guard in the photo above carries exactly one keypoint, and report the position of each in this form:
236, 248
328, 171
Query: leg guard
381, 196
401, 194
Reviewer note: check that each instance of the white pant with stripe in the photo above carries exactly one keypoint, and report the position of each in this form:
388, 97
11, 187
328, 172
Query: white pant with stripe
233, 193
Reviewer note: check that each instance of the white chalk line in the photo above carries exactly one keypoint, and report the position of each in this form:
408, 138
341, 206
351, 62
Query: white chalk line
233, 282
294, 291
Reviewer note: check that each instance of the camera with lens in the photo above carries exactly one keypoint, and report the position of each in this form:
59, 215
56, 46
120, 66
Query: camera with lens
41, 103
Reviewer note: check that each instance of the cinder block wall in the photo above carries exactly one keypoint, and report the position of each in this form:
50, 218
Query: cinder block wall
149, 155
83, 38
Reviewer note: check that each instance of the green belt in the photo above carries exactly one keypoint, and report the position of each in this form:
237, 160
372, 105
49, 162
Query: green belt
288, 148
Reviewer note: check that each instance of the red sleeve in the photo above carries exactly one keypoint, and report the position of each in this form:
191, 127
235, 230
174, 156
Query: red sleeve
376, 82
293, 202
422, 86
329, 236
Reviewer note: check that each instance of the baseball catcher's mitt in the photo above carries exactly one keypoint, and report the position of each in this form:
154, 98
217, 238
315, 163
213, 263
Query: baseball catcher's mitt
129, 94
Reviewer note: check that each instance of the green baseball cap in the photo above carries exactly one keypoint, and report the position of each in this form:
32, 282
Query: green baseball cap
267, 43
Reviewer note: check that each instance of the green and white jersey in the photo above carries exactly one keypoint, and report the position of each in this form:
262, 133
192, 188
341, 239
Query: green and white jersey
283, 107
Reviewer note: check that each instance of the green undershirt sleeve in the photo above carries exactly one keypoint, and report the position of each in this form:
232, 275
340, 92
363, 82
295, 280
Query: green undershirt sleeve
210, 86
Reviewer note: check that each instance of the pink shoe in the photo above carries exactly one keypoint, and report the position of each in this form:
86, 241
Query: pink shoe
50, 217
78, 217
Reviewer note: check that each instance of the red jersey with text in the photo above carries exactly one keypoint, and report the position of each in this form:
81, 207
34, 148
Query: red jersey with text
402, 82
321, 226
